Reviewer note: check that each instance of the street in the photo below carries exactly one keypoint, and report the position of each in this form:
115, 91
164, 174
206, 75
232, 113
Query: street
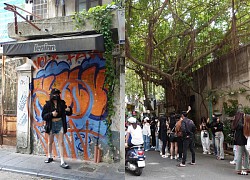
206, 168
17, 176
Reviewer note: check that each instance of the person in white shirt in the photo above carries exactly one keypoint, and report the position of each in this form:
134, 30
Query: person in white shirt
134, 134
146, 134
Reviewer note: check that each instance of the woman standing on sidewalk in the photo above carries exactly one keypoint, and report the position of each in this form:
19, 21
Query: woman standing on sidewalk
246, 131
163, 135
217, 127
205, 136
54, 113
241, 141
146, 134
173, 139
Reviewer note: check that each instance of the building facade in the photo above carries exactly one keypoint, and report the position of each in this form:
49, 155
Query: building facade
60, 56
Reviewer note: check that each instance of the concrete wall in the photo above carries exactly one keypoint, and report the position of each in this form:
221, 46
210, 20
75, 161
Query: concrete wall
223, 76
80, 77
55, 25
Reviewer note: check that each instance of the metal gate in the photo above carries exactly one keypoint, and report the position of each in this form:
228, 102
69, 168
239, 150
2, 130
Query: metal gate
8, 99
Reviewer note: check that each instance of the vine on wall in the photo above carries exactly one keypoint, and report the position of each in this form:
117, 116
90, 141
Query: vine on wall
101, 17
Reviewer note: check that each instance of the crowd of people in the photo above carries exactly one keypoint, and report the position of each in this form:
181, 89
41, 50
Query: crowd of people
172, 136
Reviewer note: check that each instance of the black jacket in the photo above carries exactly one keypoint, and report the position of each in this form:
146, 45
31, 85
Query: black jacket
188, 128
218, 125
47, 114
239, 138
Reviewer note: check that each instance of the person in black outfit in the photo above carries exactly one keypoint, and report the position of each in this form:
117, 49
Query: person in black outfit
163, 134
210, 125
152, 128
54, 113
188, 130
240, 140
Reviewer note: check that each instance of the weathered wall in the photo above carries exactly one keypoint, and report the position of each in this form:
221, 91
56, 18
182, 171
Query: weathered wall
223, 76
80, 77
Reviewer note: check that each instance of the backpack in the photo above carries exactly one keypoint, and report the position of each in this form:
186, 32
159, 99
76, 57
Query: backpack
190, 127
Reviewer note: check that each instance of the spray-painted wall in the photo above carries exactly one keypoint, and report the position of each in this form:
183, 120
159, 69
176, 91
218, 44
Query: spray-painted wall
80, 77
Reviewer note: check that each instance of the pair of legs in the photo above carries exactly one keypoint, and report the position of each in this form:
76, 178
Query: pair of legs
180, 146
242, 155
173, 149
59, 137
205, 142
214, 144
157, 143
189, 142
219, 140
146, 140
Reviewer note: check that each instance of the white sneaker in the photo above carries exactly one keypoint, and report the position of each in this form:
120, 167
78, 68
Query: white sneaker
171, 157
160, 153
204, 152
232, 162
175, 157
164, 156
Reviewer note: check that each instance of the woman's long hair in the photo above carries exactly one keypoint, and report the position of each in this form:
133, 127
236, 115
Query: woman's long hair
203, 119
246, 127
237, 118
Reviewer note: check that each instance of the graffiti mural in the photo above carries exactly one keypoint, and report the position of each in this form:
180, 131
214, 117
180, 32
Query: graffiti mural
80, 77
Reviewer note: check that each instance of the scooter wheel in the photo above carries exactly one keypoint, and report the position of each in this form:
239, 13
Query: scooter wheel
138, 171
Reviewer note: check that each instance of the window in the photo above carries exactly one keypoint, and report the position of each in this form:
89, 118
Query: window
40, 8
86, 4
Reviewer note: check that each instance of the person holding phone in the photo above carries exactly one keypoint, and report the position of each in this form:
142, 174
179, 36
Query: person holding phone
54, 113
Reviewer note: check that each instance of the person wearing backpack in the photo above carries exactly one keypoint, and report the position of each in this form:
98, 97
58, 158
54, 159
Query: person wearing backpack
188, 130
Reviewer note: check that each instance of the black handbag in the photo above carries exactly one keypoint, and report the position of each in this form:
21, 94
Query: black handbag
172, 135
205, 134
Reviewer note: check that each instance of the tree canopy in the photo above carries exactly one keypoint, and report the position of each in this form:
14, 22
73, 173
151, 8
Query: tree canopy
167, 40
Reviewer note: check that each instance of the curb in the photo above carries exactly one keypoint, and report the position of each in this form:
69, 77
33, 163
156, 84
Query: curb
47, 174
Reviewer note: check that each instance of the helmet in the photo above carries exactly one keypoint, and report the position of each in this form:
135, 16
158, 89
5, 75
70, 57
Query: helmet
132, 120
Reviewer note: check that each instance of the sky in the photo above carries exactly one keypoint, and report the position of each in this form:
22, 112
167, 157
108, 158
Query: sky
8, 17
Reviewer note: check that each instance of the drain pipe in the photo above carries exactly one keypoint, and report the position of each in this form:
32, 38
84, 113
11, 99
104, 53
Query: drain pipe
2, 100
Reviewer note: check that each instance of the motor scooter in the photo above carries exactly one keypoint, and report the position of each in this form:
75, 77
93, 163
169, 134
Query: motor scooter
135, 159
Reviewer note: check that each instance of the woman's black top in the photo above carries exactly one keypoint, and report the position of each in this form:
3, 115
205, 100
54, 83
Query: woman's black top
47, 115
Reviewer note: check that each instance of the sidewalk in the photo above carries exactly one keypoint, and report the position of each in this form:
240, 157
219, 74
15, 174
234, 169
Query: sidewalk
34, 165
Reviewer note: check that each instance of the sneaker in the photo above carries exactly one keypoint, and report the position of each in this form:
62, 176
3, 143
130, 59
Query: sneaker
146, 150
191, 163
64, 165
152, 147
209, 153
160, 153
232, 162
164, 156
243, 172
49, 160
204, 152
175, 157
171, 157
181, 165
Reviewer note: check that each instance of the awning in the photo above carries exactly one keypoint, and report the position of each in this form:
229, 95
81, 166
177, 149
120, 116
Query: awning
55, 45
